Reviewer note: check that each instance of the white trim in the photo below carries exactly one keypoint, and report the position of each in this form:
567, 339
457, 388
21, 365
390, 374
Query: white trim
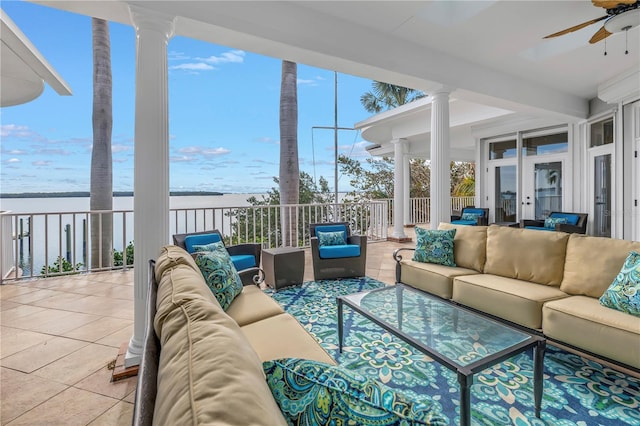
622, 88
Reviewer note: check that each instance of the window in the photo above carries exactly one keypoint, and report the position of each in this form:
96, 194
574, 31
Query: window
601, 133
503, 149
546, 144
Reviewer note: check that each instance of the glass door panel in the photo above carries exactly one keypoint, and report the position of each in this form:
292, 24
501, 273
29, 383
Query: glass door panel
506, 193
602, 195
547, 181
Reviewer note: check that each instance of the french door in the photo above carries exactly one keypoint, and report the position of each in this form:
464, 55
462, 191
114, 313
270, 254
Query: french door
503, 178
542, 187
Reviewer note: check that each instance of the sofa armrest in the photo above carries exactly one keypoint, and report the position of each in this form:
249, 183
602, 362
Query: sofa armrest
483, 221
398, 257
254, 249
570, 229
359, 240
455, 217
530, 222
251, 276
147, 387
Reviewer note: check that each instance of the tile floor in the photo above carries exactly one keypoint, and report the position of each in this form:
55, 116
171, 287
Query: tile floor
58, 335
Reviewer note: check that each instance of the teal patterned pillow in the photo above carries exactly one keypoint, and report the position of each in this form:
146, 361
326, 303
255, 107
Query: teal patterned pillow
336, 238
434, 246
624, 292
470, 216
314, 393
219, 273
550, 222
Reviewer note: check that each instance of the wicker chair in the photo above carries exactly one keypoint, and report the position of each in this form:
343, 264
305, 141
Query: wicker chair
477, 216
245, 257
576, 223
338, 261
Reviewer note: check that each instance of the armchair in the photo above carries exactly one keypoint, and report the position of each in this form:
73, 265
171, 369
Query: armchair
471, 216
335, 252
245, 257
559, 221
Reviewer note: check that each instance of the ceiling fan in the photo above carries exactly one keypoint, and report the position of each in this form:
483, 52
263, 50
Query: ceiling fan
622, 15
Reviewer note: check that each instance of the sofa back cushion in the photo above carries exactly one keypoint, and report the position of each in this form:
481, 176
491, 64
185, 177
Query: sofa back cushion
208, 371
469, 245
592, 263
525, 254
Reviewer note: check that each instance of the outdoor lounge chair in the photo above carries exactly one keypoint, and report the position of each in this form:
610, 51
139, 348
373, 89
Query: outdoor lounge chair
471, 216
559, 221
335, 252
245, 257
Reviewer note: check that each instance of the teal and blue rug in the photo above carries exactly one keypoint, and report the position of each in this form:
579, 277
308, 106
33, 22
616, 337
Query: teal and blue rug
577, 391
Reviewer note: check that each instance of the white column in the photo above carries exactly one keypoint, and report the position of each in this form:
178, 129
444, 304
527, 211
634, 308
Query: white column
407, 191
398, 189
151, 159
440, 159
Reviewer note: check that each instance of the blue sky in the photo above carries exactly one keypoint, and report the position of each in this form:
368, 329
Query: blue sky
223, 113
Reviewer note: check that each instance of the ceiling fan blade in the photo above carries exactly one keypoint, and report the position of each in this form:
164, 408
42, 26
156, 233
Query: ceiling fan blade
611, 4
600, 35
577, 27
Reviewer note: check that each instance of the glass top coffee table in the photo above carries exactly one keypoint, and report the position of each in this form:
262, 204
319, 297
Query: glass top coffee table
460, 339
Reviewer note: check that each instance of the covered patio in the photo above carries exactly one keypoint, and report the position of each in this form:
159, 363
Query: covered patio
490, 53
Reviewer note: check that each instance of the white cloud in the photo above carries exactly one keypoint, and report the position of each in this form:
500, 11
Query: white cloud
232, 56
356, 150
197, 66
206, 152
41, 163
267, 139
17, 152
120, 148
182, 159
301, 81
13, 161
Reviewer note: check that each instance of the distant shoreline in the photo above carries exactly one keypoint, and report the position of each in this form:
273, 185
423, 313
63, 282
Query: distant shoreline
85, 194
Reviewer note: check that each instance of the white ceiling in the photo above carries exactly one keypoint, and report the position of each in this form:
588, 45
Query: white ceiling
491, 52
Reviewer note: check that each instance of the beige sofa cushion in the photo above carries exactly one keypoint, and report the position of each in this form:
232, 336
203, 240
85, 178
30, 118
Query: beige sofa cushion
208, 372
171, 256
593, 262
432, 278
514, 300
469, 245
582, 322
282, 336
525, 254
252, 305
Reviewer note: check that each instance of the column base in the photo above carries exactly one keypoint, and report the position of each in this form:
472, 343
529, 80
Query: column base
120, 371
400, 239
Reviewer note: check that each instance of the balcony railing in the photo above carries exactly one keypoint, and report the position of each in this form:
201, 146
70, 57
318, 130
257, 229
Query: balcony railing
50, 244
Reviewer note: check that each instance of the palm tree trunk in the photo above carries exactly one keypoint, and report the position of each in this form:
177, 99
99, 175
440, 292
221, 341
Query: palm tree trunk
101, 164
289, 167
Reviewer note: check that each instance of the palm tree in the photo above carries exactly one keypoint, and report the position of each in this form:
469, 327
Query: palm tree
387, 96
101, 175
289, 177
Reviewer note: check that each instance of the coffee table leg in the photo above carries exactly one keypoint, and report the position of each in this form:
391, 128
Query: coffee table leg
538, 374
340, 331
465, 398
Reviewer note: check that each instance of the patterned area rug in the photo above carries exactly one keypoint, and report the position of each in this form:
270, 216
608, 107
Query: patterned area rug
577, 391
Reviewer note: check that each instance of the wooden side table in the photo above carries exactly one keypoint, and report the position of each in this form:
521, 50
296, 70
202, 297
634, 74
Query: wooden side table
283, 266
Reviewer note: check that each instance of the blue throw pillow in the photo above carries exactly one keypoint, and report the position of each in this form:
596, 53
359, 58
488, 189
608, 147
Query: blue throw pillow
624, 292
434, 246
219, 273
470, 216
314, 393
336, 238
551, 222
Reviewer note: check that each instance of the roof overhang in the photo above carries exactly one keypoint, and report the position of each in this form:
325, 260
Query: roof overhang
24, 70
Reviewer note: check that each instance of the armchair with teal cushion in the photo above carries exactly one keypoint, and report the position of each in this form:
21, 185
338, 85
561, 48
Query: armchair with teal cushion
245, 257
335, 252
572, 223
473, 216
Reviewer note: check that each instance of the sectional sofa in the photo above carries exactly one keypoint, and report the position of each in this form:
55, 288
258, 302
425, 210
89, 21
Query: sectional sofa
204, 365
550, 282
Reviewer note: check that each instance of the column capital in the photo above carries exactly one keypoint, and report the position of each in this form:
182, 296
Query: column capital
399, 141
441, 89
145, 19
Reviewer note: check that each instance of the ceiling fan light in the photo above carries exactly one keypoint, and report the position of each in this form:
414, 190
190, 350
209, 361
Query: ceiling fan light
623, 21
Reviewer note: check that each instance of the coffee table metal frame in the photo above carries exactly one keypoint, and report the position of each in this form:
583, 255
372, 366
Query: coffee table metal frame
465, 373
